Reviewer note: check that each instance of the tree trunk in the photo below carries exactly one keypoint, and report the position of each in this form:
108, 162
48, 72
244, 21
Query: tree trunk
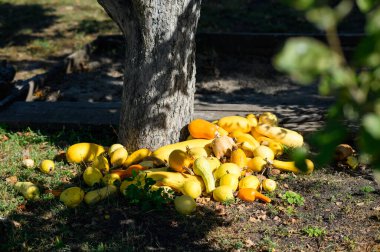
159, 79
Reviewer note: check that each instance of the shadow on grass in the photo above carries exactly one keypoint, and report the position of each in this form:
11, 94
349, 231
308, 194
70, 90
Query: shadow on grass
16, 20
93, 26
110, 225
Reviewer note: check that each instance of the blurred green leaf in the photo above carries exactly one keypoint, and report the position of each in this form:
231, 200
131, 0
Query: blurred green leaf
373, 22
323, 18
366, 5
343, 76
300, 4
299, 156
304, 59
371, 123
367, 53
343, 9
324, 86
327, 139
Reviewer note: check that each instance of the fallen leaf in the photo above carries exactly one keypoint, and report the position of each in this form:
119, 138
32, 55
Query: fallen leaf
56, 193
262, 217
376, 208
174, 224
220, 210
4, 138
11, 180
21, 207
249, 243
16, 224
276, 218
360, 204
253, 219
203, 200
338, 203
25, 154
274, 172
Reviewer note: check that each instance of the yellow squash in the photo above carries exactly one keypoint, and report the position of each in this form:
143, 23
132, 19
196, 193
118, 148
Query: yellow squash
175, 180
163, 152
95, 196
72, 196
238, 157
284, 136
136, 157
232, 123
83, 152
291, 167
29, 190
244, 137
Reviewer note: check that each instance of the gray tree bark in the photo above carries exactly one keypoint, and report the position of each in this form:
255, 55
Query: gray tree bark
159, 79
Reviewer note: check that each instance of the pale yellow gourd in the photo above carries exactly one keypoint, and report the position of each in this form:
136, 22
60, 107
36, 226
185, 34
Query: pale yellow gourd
232, 123
95, 196
284, 136
163, 152
202, 168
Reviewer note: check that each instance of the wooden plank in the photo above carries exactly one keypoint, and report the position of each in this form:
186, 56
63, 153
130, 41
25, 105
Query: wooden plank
58, 114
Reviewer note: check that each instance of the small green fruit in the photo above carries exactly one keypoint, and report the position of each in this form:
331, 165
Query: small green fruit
184, 204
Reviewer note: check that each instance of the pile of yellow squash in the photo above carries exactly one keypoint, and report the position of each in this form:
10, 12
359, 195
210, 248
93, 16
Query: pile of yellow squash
217, 159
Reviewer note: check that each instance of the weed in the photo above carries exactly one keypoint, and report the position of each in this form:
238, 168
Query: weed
42, 47
293, 198
350, 244
331, 218
239, 245
367, 189
228, 202
290, 211
267, 244
314, 231
273, 210
141, 194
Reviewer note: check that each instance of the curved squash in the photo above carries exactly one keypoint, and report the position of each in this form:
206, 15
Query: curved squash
83, 152
163, 152
284, 136
232, 123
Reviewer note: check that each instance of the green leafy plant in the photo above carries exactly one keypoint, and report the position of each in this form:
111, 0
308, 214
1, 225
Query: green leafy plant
367, 189
353, 82
314, 231
293, 198
268, 244
142, 194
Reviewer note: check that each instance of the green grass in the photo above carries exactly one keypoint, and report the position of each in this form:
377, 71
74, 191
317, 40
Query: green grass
16, 146
43, 223
39, 29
